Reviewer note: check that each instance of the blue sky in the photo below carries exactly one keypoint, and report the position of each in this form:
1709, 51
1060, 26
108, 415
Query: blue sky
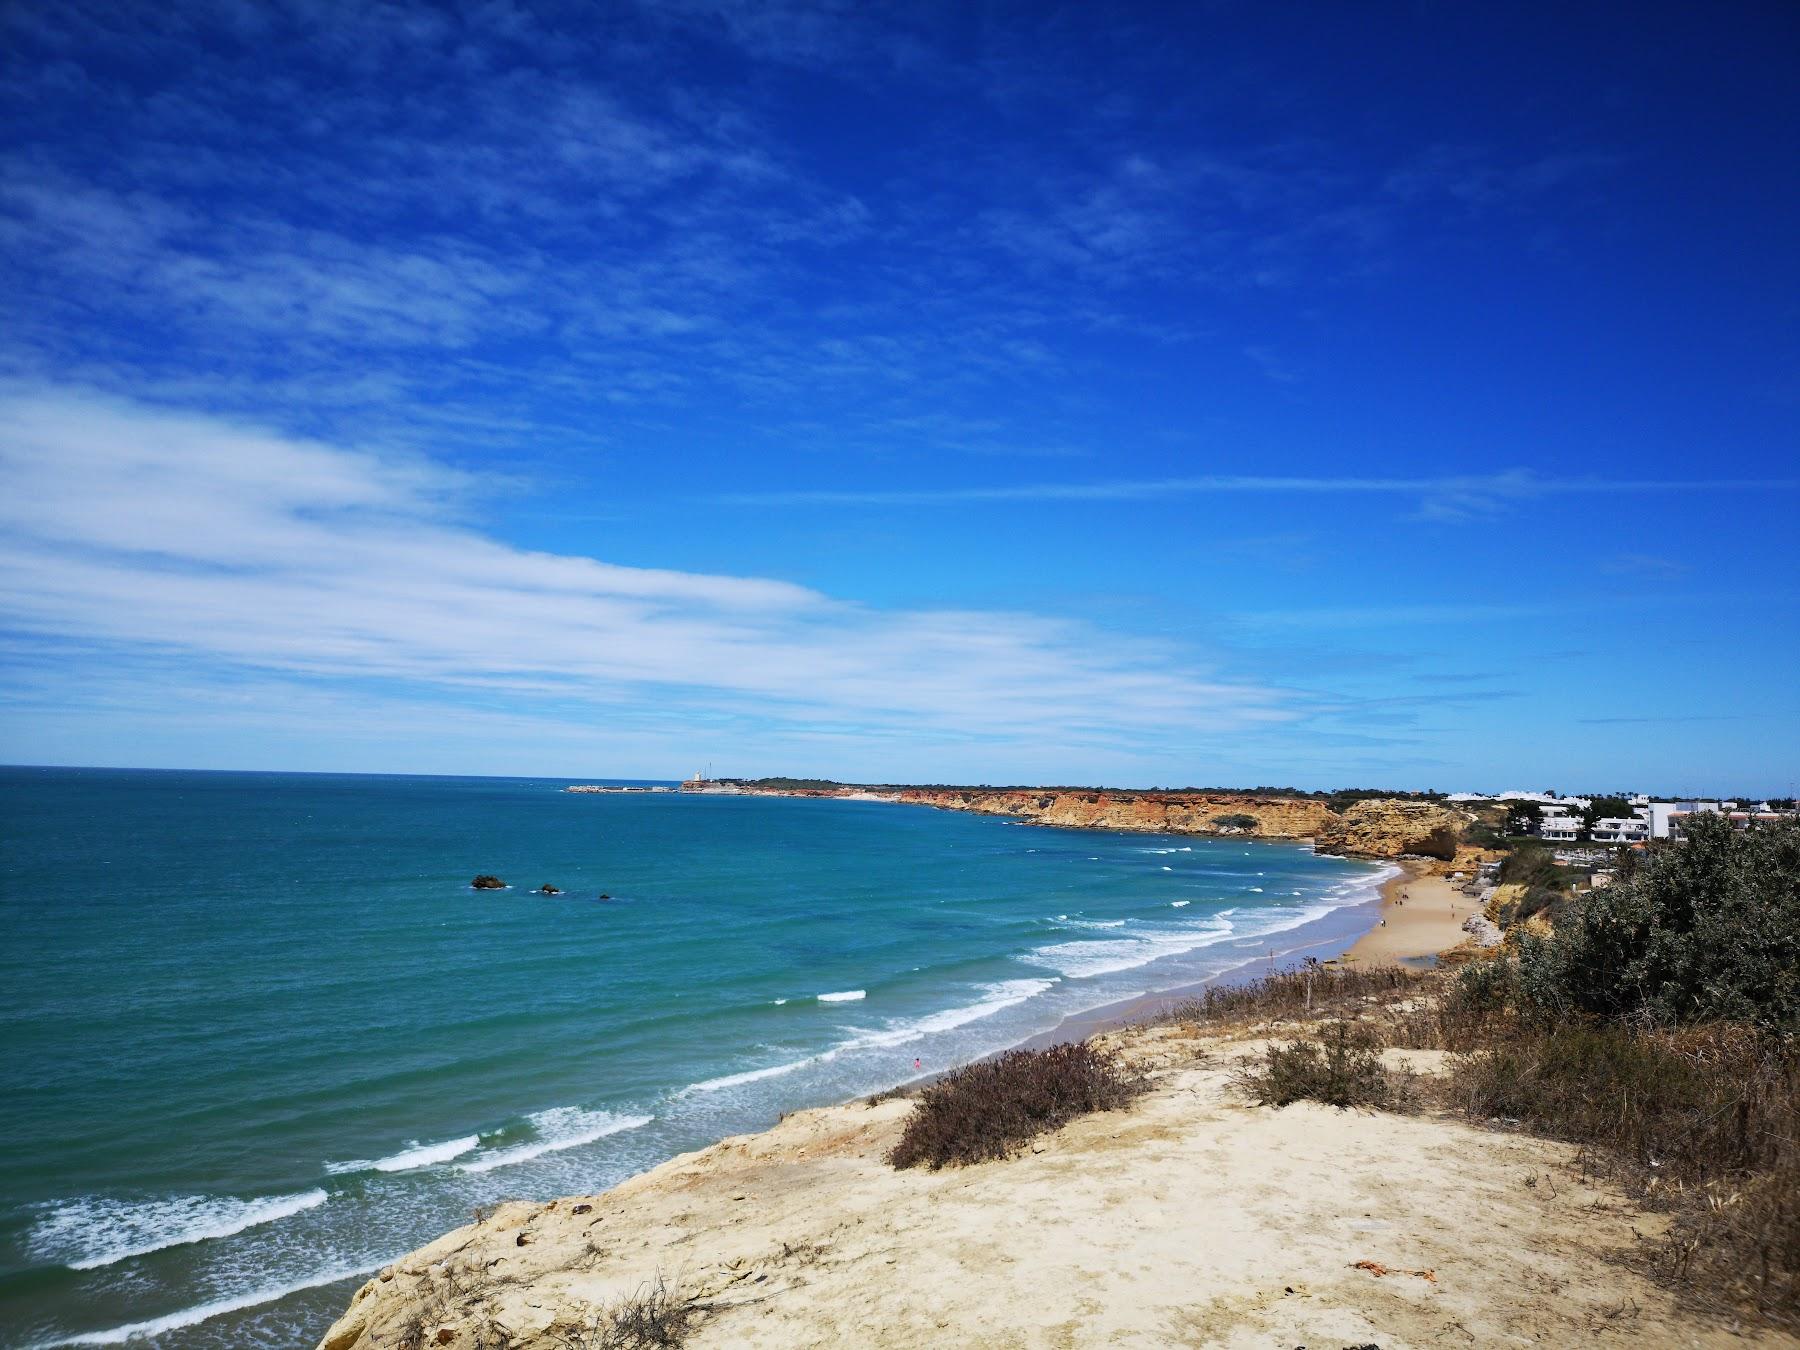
1221, 393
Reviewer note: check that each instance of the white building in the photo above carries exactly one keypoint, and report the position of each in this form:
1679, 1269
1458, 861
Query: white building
1557, 821
1632, 829
1541, 798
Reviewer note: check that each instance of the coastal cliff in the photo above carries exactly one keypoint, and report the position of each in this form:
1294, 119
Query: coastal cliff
1389, 828
1266, 817
1192, 1218
1376, 827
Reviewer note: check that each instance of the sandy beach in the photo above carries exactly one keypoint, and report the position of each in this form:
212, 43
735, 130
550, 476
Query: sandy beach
1191, 1219
1421, 915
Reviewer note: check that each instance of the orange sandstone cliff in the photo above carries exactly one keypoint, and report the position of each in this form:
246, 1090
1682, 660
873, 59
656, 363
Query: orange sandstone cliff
1381, 827
1149, 812
1389, 828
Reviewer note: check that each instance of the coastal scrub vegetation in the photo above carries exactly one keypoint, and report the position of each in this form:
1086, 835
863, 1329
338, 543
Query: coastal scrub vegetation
1545, 883
1289, 993
1339, 1066
1656, 1027
1705, 930
991, 1109
1235, 821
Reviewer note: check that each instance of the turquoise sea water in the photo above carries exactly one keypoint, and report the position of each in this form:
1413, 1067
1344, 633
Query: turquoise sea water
258, 1036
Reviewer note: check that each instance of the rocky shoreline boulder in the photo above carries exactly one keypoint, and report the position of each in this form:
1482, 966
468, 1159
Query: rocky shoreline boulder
487, 882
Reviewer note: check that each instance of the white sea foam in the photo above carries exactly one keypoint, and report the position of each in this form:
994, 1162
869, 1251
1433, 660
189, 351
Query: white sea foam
732, 1080
1180, 904
779, 1002
998, 997
1078, 960
203, 1312
558, 1128
417, 1155
1005, 994
846, 996
1092, 923
1168, 869
89, 1233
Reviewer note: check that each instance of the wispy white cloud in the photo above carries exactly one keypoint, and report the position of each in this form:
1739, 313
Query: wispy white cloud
150, 531
1449, 498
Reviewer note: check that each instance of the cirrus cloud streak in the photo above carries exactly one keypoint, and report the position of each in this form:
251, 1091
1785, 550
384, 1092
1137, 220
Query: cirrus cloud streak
189, 537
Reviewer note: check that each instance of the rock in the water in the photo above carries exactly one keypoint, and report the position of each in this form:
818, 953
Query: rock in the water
548, 889
485, 882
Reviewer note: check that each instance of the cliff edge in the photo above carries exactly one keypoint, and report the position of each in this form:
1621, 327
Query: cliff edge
1390, 828
1192, 1218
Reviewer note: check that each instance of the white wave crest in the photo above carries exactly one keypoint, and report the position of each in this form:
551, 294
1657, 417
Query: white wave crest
1005, 994
203, 1312
999, 996
1079, 960
732, 1080
88, 1233
417, 1155
844, 996
558, 1128
1180, 904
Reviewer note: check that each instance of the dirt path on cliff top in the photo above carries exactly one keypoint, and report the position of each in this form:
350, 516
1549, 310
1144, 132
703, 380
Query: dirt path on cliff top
1190, 1220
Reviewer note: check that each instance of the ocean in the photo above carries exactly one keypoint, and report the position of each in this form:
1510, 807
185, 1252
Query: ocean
259, 1036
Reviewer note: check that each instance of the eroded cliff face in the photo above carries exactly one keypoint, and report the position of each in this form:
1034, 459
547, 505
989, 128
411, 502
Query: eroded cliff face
1146, 812
1387, 828
1377, 828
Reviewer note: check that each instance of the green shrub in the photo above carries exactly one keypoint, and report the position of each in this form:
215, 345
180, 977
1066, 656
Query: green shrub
991, 1109
1531, 864
1340, 1066
1234, 822
1705, 930
1483, 835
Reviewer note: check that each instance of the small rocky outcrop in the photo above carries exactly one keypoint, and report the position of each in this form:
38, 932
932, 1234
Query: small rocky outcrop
1389, 828
488, 882
548, 889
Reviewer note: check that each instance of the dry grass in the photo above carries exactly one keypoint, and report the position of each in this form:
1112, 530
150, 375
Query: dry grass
656, 1317
991, 1109
1310, 991
1702, 1122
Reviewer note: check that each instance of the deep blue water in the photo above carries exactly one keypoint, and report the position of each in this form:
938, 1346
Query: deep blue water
258, 1035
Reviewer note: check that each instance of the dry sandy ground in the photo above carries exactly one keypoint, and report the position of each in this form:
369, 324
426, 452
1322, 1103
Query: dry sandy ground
1423, 916
1192, 1219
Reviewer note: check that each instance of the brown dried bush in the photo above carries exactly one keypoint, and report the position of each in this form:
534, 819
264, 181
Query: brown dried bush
991, 1109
